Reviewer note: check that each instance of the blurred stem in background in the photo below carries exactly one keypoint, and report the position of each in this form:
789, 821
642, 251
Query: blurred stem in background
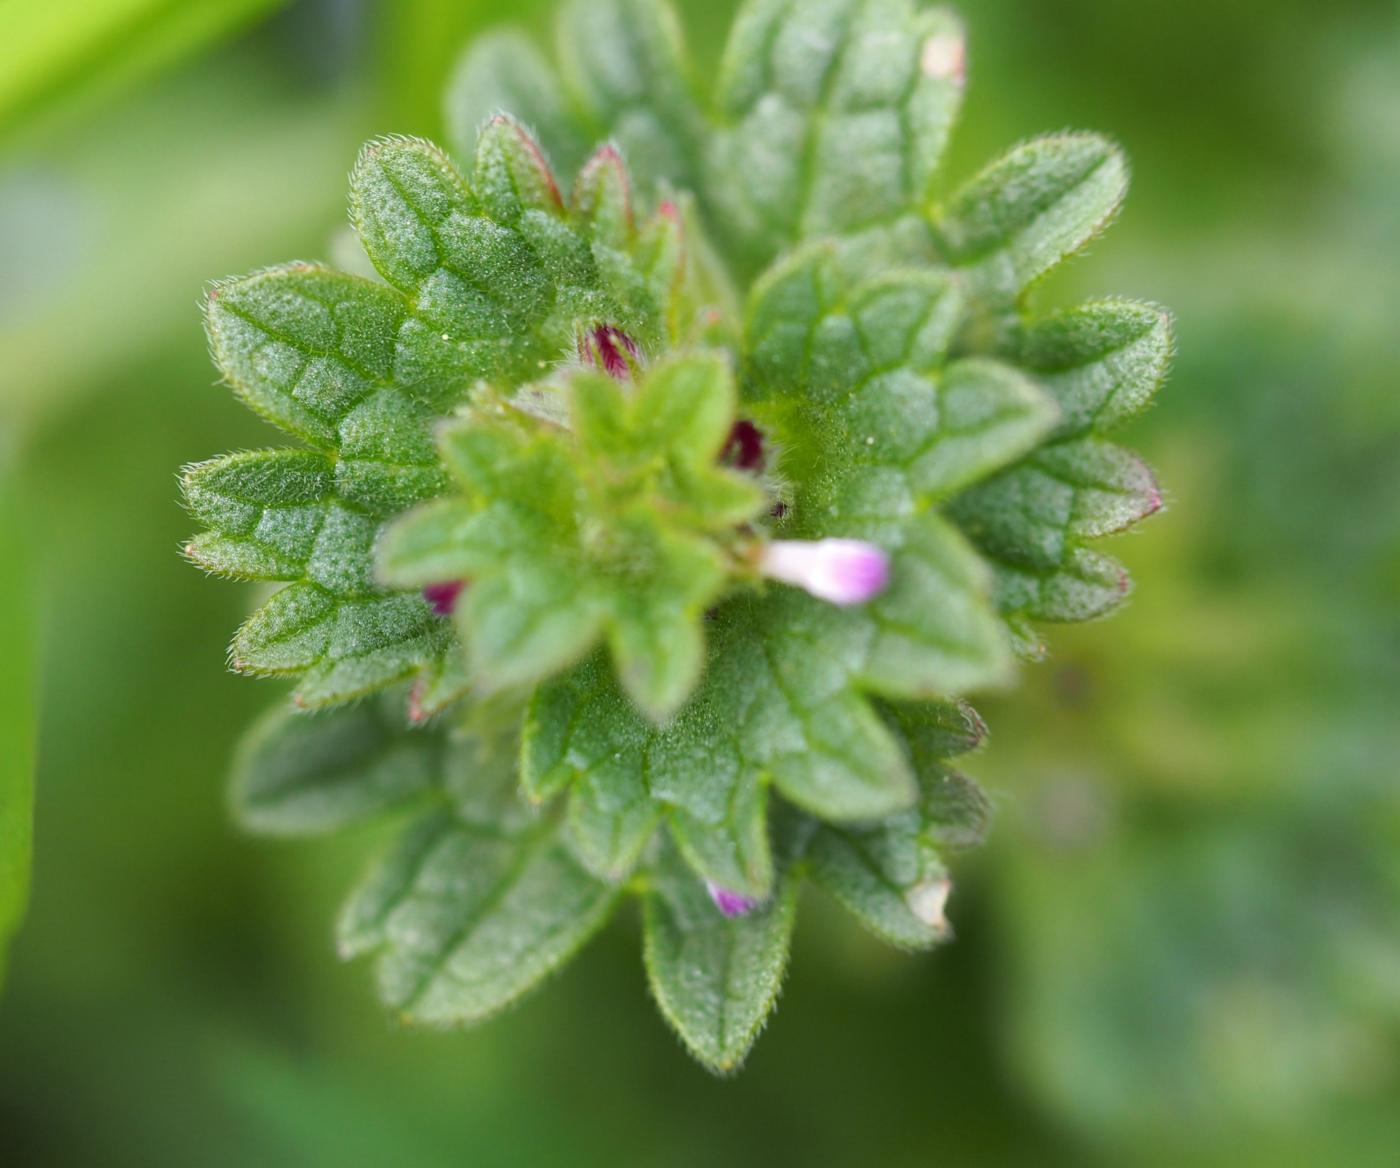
16, 716
111, 224
58, 58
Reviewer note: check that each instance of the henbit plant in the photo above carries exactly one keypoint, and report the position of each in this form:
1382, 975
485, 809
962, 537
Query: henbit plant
703, 575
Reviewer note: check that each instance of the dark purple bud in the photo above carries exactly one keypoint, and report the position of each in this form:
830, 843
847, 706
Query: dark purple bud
731, 904
443, 597
610, 349
743, 449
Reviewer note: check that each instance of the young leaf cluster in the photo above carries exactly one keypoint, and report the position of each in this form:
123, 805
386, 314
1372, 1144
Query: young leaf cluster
553, 459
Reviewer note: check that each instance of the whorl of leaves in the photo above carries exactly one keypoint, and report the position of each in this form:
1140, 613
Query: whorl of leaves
530, 419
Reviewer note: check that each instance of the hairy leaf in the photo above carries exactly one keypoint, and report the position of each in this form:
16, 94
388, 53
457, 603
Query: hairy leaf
625, 67
715, 978
1102, 363
607, 531
835, 117
300, 774
313, 351
1029, 210
891, 875
466, 919
623, 78
499, 277
503, 72
491, 278
857, 385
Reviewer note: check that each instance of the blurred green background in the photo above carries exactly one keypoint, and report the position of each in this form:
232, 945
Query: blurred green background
1181, 947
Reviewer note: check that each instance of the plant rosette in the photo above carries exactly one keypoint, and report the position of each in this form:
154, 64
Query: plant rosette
647, 540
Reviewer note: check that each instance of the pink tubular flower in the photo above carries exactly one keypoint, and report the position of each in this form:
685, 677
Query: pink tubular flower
731, 904
843, 571
610, 349
443, 597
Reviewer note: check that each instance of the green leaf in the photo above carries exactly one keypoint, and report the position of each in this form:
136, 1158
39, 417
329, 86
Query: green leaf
684, 408
863, 372
480, 290
775, 703
581, 733
1035, 513
303, 346
529, 610
313, 518
1027, 211
512, 177
466, 919
441, 684
624, 66
855, 386
340, 648
16, 726
503, 72
527, 622
501, 277
264, 510
441, 540
602, 195
313, 351
1102, 362
302, 774
856, 382
835, 113
622, 78
716, 979
891, 875
1086, 585
655, 636
605, 533
488, 279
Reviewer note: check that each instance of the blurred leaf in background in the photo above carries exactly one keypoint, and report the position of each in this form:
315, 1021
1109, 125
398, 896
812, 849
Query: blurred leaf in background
1199, 878
419, 42
109, 230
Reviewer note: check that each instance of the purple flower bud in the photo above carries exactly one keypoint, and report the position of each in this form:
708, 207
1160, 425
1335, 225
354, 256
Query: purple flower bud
743, 449
843, 571
443, 597
609, 349
731, 904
